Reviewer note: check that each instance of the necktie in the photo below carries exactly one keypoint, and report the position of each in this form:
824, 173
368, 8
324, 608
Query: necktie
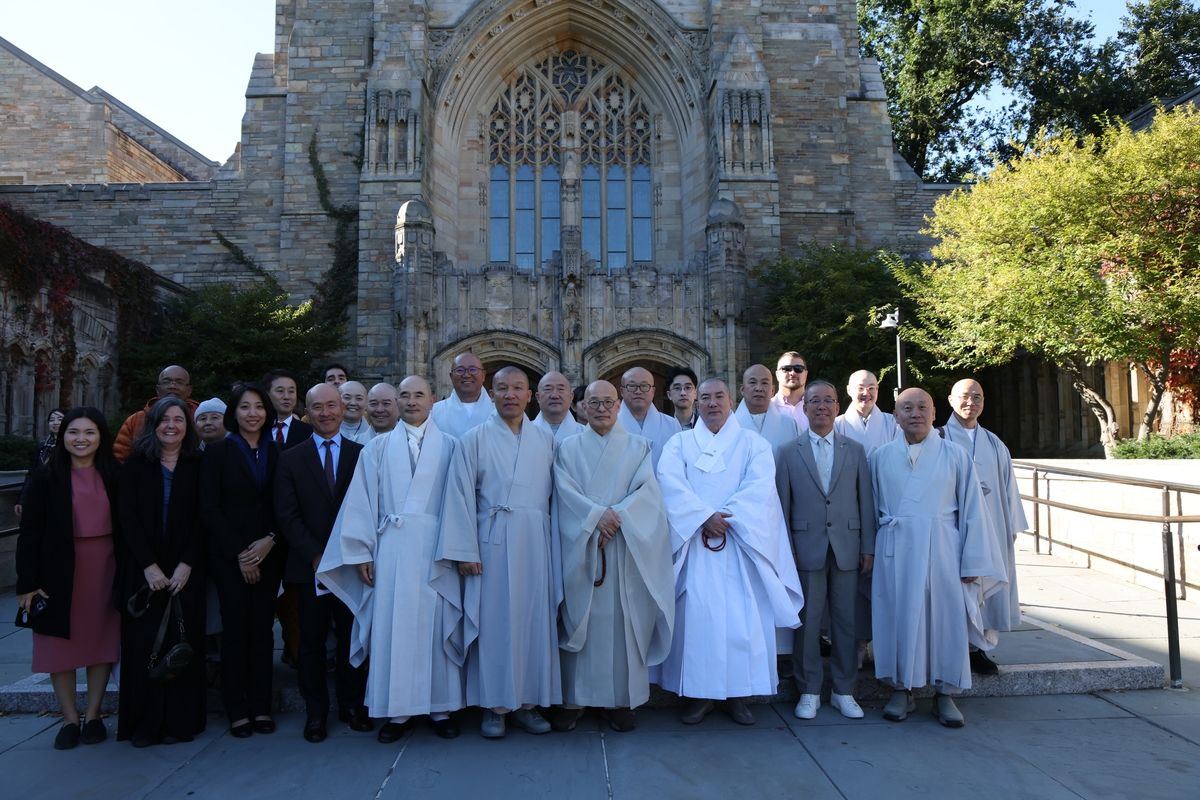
328, 443
279, 432
823, 463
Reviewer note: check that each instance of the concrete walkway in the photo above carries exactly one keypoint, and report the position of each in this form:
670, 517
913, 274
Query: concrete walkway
1143, 744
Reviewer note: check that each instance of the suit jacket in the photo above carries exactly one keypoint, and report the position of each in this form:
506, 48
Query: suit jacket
46, 549
305, 509
844, 519
234, 510
298, 433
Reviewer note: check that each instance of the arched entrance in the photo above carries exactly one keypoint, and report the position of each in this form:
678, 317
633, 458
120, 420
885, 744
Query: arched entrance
497, 349
492, 367
656, 368
652, 349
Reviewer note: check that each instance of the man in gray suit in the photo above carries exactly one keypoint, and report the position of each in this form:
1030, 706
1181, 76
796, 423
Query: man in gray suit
825, 488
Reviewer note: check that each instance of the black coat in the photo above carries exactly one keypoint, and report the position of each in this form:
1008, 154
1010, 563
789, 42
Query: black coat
298, 433
305, 509
46, 549
232, 507
36, 461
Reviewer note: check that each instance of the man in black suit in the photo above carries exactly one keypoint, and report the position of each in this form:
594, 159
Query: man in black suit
309, 488
288, 430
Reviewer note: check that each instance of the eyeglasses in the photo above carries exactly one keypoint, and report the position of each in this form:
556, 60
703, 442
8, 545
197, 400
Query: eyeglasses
975, 398
637, 388
173, 382
683, 388
793, 368
828, 401
461, 371
606, 404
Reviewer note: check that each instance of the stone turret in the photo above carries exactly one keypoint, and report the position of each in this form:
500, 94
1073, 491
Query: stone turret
413, 301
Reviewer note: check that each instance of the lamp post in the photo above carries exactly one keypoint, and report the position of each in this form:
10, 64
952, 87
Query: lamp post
892, 322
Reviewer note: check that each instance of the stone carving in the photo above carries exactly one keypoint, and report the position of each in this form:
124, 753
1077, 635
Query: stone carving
393, 135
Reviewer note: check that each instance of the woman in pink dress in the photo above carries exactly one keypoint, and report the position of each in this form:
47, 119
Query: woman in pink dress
66, 560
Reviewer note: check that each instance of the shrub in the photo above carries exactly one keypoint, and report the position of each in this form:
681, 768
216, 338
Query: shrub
1184, 445
15, 451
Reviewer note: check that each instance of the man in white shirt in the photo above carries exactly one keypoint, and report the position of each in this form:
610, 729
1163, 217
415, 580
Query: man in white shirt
792, 372
681, 391
468, 405
288, 431
554, 407
638, 414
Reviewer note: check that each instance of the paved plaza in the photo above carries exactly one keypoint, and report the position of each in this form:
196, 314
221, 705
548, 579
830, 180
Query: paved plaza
1106, 744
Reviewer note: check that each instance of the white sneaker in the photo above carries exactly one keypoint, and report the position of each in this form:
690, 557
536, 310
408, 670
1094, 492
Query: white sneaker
808, 705
846, 704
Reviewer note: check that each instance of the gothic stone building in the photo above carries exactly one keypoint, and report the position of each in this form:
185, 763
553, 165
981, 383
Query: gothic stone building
579, 185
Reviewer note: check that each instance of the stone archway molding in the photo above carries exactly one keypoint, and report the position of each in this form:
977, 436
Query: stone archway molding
494, 345
644, 344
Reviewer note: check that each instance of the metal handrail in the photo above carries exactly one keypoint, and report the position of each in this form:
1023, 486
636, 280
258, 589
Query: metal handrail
1166, 487
13, 485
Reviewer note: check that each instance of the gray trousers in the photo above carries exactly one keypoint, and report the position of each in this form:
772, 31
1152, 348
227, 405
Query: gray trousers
835, 590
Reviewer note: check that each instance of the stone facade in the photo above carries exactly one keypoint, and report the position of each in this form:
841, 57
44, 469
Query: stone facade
574, 184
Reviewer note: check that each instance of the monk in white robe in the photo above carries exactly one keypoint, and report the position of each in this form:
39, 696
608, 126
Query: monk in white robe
735, 575
380, 562
638, 414
496, 524
792, 372
757, 413
618, 583
866, 424
933, 567
1001, 500
468, 405
554, 407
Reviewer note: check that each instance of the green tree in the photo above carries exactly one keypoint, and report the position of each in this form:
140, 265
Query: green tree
1078, 252
1161, 43
224, 333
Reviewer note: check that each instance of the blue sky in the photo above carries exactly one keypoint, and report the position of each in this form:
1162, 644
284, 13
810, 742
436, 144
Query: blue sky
184, 64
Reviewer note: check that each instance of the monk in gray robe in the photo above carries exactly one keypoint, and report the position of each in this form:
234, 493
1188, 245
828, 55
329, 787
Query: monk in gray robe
554, 407
496, 524
618, 582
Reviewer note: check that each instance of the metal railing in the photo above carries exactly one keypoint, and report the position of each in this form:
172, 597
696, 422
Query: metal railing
1165, 518
11, 486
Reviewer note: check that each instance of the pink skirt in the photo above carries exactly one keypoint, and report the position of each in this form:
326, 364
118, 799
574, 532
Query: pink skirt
95, 623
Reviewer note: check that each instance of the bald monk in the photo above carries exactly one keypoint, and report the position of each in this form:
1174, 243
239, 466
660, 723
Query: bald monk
468, 405
383, 407
554, 407
496, 525
638, 414
354, 426
932, 562
757, 413
618, 585
863, 421
1001, 501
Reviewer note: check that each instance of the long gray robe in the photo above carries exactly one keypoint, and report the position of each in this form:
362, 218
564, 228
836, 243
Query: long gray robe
932, 532
408, 625
611, 633
451, 416
497, 513
1002, 500
727, 603
657, 427
568, 427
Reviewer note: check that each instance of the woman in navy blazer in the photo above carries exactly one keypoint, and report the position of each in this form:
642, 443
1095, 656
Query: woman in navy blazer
237, 477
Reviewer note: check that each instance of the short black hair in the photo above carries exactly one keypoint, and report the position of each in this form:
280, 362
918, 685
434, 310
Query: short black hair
578, 394
269, 379
231, 423
675, 372
335, 365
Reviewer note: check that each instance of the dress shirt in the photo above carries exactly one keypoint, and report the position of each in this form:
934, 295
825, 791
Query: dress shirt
335, 450
286, 423
815, 441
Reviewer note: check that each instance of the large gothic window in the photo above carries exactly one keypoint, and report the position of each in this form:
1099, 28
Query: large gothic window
527, 152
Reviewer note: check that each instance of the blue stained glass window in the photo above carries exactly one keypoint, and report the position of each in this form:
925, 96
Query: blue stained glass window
590, 186
642, 215
551, 211
526, 230
498, 214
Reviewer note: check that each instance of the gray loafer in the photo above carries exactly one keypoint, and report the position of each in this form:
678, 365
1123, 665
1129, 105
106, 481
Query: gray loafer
736, 708
530, 721
947, 712
493, 725
900, 706
697, 711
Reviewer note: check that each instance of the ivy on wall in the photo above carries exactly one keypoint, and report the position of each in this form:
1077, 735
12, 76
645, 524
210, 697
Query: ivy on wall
338, 290
36, 256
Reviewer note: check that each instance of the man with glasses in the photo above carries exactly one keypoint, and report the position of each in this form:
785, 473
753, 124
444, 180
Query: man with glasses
681, 391
1001, 501
618, 584
757, 413
737, 578
468, 405
638, 414
792, 372
173, 381
554, 407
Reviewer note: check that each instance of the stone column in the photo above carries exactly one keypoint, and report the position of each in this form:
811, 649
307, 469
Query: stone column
413, 289
725, 238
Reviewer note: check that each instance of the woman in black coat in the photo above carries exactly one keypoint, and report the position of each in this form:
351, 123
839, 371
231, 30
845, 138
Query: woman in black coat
67, 566
237, 476
164, 549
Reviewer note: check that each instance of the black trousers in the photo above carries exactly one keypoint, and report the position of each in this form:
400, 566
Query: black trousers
247, 635
350, 682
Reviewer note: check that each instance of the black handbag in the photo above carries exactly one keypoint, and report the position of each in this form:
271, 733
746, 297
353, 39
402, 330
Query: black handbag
25, 618
170, 666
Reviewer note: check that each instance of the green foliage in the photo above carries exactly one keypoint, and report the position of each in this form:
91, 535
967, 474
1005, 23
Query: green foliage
16, 451
1184, 445
826, 304
224, 334
1162, 41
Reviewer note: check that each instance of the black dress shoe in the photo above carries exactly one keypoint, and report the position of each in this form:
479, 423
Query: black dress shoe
242, 731
982, 665
314, 729
68, 737
357, 719
286, 659
264, 725
94, 732
393, 731
445, 728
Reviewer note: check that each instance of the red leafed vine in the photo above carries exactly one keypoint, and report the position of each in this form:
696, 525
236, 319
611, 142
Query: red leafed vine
37, 257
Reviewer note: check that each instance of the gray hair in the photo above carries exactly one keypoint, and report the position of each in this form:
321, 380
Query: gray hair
818, 382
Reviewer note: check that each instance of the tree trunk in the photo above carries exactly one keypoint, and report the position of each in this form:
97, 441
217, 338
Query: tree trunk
1093, 397
1158, 387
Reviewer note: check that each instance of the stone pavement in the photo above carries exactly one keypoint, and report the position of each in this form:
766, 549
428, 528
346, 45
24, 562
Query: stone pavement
1143, 744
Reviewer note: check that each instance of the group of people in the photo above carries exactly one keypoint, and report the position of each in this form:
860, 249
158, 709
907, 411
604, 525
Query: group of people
455, 553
